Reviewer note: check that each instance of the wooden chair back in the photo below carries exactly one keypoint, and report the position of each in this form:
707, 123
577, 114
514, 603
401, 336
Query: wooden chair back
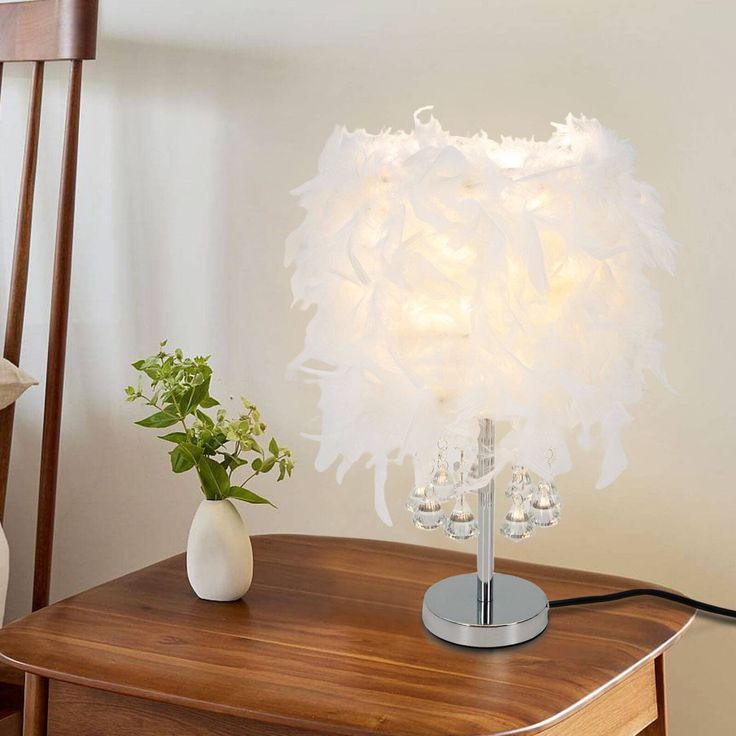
40, 31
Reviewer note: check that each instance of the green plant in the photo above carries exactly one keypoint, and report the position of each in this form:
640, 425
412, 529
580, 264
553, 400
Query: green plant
216, 447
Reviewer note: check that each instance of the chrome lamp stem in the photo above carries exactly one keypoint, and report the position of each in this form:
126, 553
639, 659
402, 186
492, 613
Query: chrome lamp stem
485, 608
486, 464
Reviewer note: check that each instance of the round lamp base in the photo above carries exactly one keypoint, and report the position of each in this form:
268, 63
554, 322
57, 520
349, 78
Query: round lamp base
517, 612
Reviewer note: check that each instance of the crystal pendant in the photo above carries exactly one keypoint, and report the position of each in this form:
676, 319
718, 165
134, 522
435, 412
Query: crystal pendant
443, 483
517, 524
443, 480
521, 483
545, 510
461, 523
554, 494
462, 474
429, 513
417, 495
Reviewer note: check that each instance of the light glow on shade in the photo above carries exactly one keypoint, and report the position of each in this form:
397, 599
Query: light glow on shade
457, 277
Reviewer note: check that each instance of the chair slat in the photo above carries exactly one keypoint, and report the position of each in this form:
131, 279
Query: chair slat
48, 30
19, 273
19, 278
58, 325
6, 422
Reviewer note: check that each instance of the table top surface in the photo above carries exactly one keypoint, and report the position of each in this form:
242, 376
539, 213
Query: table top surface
330, 638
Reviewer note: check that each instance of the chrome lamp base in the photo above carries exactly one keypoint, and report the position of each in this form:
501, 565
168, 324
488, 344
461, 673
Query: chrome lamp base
516, 612
487, 608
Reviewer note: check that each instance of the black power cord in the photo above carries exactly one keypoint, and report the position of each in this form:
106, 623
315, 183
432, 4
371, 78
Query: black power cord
621, 594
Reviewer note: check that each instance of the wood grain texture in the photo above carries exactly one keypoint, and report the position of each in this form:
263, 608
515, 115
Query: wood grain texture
19, 271
329, 638
36, 31
56, 361
659, 726
10, 676
624, 710
40, 31
35, 707
11, 709
81, 711
11, 722
48, 30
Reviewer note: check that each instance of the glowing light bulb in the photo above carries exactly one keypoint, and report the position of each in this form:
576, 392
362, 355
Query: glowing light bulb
429, 513
443, 483
461, 523
443, 480
417, 495
517, 524
545, 509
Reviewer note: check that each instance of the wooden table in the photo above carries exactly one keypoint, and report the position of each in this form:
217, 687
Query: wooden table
329, 640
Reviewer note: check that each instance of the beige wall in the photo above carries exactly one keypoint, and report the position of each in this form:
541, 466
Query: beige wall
195, 129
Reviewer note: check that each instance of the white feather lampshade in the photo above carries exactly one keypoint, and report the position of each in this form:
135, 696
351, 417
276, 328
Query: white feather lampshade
460, 277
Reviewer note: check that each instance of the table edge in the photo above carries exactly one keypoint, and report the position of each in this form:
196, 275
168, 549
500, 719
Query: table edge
283, 720
591, 696
265, 717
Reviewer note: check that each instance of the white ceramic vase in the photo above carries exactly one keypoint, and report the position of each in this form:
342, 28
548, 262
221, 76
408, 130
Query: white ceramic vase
219, 553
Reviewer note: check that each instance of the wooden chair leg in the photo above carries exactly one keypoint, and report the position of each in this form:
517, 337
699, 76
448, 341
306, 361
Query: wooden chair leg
36, 704
659, 727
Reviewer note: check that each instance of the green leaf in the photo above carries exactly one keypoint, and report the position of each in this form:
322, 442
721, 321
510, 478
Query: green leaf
257, 464
208, 402
199, 393
268, 464
191, 397
273, 446
231, 461
214, 479
205, 419
159, 420
180, 396
177, 437
138, 364
243, 494
184, 457
212, 441
170, 406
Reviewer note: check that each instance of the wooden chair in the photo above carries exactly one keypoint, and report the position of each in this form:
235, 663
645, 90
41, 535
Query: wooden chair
36, 32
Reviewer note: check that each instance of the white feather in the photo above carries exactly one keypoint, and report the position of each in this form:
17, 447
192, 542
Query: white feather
463, 277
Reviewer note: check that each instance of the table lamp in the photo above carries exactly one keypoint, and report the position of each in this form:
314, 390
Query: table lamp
461, 286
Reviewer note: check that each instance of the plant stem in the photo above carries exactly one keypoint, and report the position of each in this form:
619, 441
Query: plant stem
160, 408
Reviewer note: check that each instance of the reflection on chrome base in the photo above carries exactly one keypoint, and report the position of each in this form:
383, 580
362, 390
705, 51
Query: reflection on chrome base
516, 612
